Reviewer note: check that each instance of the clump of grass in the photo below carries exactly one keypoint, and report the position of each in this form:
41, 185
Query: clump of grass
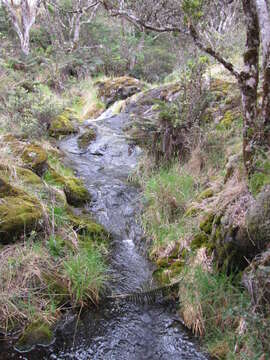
86, 272
86, 103
168, 193
218, 309
56, 163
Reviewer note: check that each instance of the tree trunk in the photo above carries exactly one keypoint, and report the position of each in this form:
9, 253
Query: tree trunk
264, 23
23, 22
248, 80
77, 28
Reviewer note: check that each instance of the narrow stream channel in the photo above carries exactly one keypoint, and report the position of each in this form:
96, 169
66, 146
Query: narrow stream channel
117, 331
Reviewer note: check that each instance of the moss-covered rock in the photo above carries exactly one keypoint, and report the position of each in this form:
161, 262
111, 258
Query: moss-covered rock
112, 90
74, 189
63, 125
94, 111
76, 192
35, 158
37, 333
88, 228
207, 223
23, 175
19, 213
85, 139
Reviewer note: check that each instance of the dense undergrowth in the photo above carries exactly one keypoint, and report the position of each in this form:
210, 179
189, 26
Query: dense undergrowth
184, 202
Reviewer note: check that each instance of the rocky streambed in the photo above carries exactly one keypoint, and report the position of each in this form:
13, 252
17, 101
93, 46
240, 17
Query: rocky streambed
116, 330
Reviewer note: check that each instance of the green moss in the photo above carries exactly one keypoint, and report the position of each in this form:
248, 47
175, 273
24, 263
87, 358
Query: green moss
37, 333
88, 229
207, 223
207, 193
76, 192
35, 158
192, 211
163, 263
227, 119
85, 139
62, 125
199, 240
259, 179
74, 189
19, 212
26, 176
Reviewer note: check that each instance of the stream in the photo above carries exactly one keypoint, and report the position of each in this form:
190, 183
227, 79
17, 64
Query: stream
117, 330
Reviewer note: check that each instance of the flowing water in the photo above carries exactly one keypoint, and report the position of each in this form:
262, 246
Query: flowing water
117, 330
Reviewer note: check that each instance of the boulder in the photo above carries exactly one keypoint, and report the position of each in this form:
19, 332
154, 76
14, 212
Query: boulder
35, 158
74, 189
19, 213
112, 90
88, 229
63, 125
238, 234
25, 176
76, 193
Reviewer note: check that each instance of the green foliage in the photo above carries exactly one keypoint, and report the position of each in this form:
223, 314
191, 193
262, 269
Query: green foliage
56, 245
29, 110
193, 9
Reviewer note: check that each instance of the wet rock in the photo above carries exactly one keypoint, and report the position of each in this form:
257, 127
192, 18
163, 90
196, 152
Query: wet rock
63, 125
35, 158
112, 90
85, 139
19, 213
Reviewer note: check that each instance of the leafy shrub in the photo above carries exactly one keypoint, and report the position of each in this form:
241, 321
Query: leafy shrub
29, 112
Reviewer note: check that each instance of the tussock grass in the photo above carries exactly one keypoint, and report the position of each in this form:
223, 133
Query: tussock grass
168, 194
86, 273
216, 307
85, 101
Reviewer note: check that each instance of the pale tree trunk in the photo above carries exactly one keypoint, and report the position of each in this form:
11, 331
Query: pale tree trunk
264, 22
248, 80
76, 33
24, 21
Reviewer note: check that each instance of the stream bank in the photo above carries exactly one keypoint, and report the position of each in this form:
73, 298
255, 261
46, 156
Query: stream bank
117, 330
